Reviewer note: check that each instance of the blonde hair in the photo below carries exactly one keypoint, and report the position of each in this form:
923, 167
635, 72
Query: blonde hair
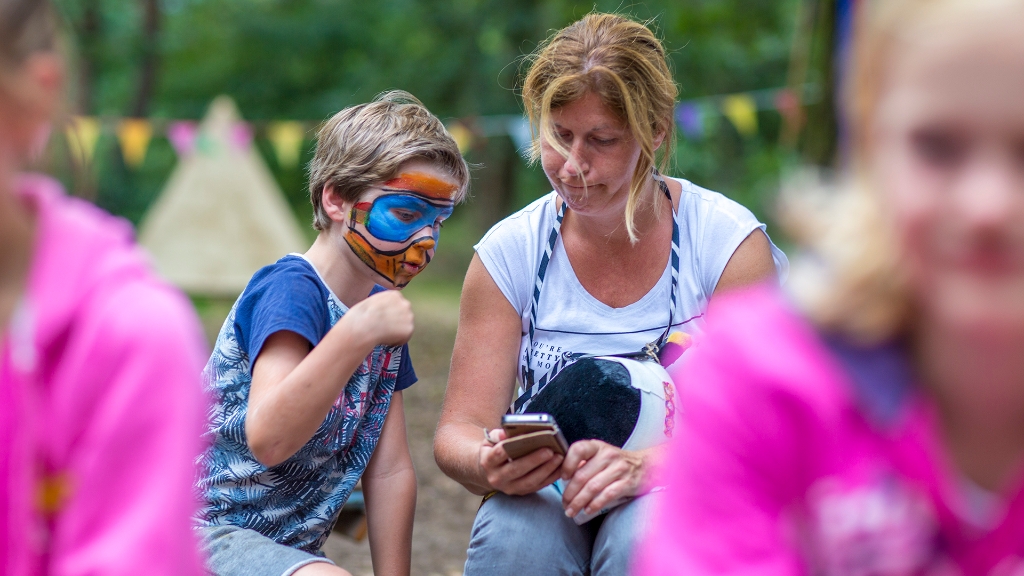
26, 27
366, 144
855, 284
622, 62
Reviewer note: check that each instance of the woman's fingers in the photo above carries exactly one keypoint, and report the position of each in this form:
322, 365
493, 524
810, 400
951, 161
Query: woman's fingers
520, 476
606, 474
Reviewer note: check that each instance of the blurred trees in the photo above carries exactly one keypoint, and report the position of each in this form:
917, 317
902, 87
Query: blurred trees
306, 59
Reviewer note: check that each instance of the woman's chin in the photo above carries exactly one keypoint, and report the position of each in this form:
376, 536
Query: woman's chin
982, 309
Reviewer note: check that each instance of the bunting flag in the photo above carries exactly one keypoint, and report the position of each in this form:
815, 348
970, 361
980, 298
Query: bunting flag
691, 120
463, 136
82, 133
241, 135
741, 110
183, 134
286, 138
134, 135
518, 129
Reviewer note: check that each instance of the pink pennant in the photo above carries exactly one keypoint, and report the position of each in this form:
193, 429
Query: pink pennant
183, 134
241, 135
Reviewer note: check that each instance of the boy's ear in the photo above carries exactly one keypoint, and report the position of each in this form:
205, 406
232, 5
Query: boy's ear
336, 208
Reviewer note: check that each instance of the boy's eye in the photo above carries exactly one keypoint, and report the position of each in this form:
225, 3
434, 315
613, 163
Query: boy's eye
405, 216
940, 148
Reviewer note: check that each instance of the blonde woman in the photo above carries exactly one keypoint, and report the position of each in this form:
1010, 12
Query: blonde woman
588, 268
880, 428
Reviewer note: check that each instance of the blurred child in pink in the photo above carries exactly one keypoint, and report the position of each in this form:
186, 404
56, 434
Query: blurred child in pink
101, 407
872, 423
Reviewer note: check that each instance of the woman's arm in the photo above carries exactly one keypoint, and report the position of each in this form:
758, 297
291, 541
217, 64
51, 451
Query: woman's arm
294, 387
751, 263
389, 486
480, 388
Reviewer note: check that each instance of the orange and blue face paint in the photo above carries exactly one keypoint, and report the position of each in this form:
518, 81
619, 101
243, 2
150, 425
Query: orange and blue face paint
402, 226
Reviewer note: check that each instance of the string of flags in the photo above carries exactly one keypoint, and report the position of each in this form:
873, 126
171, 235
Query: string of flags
695, 117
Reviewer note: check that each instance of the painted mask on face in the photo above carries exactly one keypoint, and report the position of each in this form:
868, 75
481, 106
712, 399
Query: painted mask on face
396, 233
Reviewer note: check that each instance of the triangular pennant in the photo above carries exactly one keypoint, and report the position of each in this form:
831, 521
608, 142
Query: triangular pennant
519, 130
134, 135
82, 133
463, 136
241, 135
183, 134
690, 118
286, 138
741, 110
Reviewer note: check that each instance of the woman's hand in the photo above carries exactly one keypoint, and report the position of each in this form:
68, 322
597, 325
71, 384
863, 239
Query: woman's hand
524, 475
598, 473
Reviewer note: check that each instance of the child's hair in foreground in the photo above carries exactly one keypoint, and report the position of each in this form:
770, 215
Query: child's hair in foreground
26, 26
864, 296
366, 144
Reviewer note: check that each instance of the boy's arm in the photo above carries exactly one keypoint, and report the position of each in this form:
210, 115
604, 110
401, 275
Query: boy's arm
389, 487
293, 387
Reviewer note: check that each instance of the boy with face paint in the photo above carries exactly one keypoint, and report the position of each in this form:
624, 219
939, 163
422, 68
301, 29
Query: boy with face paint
309, 367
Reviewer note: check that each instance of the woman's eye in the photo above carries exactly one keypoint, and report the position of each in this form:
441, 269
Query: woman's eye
604, 141
940, 148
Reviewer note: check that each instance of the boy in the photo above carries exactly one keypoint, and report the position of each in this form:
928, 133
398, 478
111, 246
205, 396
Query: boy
313, 353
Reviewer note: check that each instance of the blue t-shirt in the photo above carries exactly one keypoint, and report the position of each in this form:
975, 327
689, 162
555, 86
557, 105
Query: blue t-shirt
296, 502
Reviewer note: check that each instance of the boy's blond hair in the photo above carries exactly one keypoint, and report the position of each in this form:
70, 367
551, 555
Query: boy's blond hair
365, 145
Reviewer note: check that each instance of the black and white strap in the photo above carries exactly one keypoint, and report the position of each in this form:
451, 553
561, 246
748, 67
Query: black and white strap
531, 385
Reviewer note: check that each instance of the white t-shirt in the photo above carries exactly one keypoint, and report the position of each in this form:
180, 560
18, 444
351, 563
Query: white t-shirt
569, 319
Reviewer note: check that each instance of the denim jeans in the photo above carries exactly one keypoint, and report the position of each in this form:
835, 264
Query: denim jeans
526, 535
234, 551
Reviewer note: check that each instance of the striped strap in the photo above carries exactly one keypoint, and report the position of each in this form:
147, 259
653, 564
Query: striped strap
533, 386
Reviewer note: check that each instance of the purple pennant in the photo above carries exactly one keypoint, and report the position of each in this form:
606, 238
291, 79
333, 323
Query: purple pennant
182, 135
690, 119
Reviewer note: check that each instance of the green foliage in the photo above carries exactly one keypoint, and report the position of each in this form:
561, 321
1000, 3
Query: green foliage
306, 59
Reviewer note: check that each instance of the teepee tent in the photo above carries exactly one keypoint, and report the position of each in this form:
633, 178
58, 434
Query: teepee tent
221, 216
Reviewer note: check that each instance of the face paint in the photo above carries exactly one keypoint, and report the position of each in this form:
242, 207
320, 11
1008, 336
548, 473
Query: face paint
398, 217
396, 233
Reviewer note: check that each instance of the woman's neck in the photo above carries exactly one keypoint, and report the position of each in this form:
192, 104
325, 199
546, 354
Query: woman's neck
610, 227
978, 384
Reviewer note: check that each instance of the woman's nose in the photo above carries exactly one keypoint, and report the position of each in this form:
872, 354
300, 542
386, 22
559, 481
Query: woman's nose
576, 163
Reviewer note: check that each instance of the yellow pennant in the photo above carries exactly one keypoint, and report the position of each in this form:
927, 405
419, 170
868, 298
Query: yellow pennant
286, 138
463, 136
82, 133
741, 110
134, 135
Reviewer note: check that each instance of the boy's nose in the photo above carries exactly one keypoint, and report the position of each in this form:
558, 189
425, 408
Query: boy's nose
417, 253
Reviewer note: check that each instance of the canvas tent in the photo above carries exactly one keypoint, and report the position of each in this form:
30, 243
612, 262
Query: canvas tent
221, 215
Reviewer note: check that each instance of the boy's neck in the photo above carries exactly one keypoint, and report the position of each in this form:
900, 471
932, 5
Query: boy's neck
345, 274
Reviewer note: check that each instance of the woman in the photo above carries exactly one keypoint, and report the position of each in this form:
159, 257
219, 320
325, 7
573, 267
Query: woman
101, 405
601, 96
881, 428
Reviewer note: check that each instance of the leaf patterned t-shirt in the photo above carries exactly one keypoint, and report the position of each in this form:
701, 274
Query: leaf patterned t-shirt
296, 502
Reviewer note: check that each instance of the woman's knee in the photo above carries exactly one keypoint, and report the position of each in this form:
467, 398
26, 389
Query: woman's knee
512, 534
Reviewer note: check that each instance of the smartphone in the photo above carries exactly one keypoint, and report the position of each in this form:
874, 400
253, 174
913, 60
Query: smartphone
525, 433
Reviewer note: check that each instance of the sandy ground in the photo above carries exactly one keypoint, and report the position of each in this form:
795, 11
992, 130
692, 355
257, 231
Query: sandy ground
444, 509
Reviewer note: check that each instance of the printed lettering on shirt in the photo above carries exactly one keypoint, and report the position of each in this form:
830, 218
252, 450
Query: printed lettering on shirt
877, 526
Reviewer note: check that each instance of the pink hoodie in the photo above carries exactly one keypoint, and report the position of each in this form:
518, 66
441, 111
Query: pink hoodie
101, 407
798, 455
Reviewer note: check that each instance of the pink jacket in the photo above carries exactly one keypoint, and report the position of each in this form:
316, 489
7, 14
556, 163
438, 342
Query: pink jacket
101, 407
803, 456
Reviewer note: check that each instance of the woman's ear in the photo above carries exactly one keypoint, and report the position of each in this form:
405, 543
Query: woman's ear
335, 207
659, 137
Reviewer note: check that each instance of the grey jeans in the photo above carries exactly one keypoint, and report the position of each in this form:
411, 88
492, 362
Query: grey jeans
234, 551
526, 535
